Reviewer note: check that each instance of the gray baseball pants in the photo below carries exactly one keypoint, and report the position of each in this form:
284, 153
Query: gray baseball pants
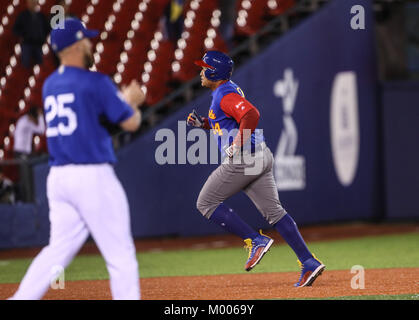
254, 176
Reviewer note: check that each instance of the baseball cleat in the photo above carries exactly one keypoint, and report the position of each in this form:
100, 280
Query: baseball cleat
310, 270
257, 249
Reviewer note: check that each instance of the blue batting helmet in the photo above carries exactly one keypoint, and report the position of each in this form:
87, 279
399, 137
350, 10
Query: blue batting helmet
219, 66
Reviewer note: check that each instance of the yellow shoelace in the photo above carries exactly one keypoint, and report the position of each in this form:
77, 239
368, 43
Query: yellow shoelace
301, 265
260, 231
248, 246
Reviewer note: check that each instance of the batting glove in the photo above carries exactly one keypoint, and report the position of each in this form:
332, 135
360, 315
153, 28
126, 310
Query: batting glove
195, 120
232, 150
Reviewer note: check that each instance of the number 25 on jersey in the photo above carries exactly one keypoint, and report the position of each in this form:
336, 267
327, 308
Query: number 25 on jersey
58, 108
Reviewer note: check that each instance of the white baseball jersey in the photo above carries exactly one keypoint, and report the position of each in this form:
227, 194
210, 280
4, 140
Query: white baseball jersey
84, 195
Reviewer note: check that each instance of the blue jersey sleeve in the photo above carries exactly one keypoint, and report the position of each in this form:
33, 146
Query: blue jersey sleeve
113, 105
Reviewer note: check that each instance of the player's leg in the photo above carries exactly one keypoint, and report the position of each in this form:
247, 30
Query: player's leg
106, 212
68, 234
224, 182
264, 195
263, 192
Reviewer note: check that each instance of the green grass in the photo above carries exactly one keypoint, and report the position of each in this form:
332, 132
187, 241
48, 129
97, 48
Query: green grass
371, 252
394, 251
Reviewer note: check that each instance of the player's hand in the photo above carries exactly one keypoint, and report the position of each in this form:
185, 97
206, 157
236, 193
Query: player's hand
133, 94
232, 150
195, 120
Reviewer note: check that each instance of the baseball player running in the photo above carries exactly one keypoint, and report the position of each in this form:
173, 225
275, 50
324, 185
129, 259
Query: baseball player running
230, 111
84, 195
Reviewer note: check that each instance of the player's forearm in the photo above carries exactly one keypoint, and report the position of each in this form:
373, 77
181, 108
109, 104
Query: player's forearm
132, 123
248, 124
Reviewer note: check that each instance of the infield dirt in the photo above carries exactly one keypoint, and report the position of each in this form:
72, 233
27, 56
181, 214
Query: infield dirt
245, 286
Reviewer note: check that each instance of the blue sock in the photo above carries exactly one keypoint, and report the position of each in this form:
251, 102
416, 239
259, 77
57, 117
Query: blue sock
230, 221
288, 230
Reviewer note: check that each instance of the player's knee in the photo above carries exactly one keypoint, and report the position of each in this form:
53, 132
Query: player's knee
204, 207
200, 206
273, 214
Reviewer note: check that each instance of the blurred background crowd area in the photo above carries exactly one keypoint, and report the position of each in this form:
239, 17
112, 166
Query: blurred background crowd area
155, 42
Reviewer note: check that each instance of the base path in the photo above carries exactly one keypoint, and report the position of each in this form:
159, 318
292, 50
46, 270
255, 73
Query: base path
248, 286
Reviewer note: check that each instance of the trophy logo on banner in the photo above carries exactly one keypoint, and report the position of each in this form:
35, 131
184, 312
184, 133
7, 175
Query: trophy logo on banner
289, 168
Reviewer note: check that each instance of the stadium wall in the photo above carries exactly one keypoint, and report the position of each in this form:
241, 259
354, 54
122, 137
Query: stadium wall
401, 161
316, 90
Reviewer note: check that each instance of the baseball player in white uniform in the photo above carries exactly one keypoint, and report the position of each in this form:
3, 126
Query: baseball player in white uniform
84, 194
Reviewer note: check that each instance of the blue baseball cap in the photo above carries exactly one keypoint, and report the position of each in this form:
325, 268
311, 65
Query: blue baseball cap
73, 31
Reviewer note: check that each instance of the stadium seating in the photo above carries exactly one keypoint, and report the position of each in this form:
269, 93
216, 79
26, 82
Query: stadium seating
131, 45
13, 77
253, 15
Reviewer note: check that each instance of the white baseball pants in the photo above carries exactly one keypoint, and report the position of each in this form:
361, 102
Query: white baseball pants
85, 199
